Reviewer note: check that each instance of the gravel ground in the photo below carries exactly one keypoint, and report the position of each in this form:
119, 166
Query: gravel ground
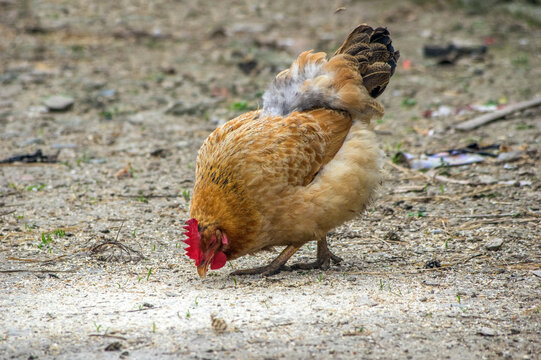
444, 264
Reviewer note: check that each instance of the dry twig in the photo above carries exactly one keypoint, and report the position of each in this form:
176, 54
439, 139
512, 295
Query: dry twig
488, 118
133, 255
38, 271
109, 336
7, 212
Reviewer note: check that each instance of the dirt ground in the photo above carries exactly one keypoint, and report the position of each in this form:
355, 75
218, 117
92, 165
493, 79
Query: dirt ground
444, 264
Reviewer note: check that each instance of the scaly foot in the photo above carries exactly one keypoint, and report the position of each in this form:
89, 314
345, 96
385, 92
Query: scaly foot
324, 257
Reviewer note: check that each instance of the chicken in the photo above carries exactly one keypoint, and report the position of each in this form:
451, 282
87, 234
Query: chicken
302, 165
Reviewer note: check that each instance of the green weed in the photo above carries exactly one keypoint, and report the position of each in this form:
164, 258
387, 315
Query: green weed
59, 233
524, 127
239, 106
36, 187
85, 158
46, 240
109, 114
409, 102
142, 197
186, 195
520, 60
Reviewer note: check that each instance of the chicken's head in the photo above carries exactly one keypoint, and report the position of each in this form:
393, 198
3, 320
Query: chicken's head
205, 245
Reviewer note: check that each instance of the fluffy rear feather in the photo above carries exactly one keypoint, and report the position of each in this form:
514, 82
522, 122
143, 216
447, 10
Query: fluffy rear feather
357, 73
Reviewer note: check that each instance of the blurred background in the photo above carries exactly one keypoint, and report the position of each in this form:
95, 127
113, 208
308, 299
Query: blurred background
204, 62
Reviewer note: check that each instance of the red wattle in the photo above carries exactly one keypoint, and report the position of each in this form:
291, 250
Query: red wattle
218, 260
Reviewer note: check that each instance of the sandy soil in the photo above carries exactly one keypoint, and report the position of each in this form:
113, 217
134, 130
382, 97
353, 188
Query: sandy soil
150, 82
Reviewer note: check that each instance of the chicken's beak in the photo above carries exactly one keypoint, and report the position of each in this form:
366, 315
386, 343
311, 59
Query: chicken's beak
203, 268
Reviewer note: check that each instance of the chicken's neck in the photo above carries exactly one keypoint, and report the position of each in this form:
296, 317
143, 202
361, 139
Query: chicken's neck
225, 206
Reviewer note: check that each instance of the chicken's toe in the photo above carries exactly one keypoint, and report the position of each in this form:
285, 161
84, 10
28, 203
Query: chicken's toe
335, 259
263, 270
274, 267
323, 265
324, 257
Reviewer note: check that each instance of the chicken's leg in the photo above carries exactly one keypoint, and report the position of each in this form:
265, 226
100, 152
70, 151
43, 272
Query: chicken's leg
324, 257
274, 267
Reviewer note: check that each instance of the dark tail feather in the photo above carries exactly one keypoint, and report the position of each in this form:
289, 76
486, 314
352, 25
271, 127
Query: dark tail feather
376, 57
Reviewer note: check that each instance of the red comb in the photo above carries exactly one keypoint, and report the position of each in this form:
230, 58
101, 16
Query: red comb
192, 233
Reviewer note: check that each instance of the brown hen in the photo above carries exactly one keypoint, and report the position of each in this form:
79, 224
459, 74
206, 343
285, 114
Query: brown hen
302, 165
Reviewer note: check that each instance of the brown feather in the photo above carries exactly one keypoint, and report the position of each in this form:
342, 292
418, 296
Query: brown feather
250, 156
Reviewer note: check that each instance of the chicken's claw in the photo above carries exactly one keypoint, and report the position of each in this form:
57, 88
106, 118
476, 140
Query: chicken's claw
274, 267
335, 259
324, 257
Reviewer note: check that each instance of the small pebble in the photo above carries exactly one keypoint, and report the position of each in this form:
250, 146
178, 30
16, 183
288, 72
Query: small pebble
114, 346
537, 273
508, 166
58, 103
219, 325
54, 349
136, 119
494, 244
432, 264
107, 93
90, 84
478, 72
485, 331
487, 179
509, 156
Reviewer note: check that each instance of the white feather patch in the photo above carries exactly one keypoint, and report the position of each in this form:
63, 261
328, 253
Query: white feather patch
297, 90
